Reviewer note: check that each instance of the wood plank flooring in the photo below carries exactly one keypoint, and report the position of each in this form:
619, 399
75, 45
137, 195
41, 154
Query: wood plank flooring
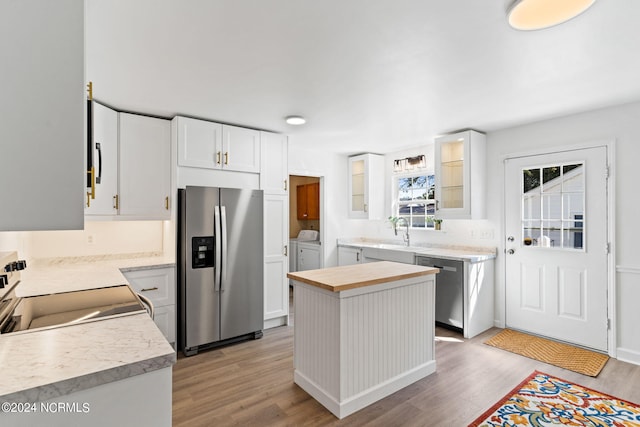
251, 384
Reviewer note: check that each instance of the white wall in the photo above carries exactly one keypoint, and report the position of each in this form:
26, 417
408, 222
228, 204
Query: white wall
97, 238
617, 123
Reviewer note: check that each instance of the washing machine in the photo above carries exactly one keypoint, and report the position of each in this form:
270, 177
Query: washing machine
308, 242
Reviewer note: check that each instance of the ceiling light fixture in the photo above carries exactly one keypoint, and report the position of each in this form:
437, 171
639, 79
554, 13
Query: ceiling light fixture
538, 14
295, 120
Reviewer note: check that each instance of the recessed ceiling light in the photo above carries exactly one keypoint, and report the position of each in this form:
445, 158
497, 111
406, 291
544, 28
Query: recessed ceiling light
539, 14
295, 120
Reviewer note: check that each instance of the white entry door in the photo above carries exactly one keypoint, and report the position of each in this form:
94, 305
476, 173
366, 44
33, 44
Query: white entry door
557, 252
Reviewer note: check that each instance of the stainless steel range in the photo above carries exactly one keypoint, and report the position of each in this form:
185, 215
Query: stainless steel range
28, 314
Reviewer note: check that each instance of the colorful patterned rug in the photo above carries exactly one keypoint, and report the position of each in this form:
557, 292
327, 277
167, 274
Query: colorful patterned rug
543, 400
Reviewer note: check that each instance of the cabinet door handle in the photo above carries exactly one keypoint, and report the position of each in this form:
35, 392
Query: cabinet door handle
218, 157
155, 288
116, 204
285, 185
365, 207
226, 157
437, 205
285, 250
166, 203
88, 199
99, 177
92, 193
358, 256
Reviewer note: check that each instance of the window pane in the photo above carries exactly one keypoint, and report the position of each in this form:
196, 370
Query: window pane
550, 181
531, 180
531, 207
572, 204
420, 182
551, 206
573, 178
431, 186
573, 234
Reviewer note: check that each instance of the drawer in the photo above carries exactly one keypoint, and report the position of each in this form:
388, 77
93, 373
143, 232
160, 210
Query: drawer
157, 284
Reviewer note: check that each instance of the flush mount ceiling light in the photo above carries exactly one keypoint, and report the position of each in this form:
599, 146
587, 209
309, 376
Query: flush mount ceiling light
539, 14
295, 120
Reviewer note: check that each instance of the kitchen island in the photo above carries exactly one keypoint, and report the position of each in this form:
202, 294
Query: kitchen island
362, 332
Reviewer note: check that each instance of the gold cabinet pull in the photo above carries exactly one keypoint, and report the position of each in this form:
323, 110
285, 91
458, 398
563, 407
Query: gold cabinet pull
92, 171
90, 91
218, 157
88, 199
166, 203
226, 157
115, 202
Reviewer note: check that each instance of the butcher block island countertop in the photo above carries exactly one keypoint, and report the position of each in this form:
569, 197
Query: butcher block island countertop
362, 332
338, 279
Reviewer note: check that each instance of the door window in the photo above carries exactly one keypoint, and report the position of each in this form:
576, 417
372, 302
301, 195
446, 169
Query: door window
553, 206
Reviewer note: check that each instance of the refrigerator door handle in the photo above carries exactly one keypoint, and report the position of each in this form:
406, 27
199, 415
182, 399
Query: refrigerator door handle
218, 249
223, 224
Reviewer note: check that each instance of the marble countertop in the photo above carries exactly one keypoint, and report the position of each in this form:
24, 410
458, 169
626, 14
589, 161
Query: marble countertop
346, 277
44, 364
454, 252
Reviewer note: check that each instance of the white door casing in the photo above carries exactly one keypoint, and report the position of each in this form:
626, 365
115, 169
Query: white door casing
557, 246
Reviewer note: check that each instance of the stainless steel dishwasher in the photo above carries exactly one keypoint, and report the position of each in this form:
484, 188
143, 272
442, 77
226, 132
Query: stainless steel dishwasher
449, 291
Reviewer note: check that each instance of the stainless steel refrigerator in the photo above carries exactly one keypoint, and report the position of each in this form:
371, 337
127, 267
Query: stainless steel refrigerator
220, 266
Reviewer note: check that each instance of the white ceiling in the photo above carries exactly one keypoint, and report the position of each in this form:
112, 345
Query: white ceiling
369, 75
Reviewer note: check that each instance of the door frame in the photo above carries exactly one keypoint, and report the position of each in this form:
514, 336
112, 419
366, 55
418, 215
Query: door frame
609, 145
323, 216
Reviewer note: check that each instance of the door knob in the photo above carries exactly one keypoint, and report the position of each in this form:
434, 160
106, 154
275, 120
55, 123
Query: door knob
511, 251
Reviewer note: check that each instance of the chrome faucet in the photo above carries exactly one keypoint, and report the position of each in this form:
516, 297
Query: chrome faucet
405, 237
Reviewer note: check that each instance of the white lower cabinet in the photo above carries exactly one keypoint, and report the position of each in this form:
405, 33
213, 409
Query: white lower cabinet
308, 256
159, 286
349, 256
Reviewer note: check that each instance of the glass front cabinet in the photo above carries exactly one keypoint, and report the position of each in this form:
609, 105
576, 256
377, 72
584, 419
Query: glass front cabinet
366, 181
460, 175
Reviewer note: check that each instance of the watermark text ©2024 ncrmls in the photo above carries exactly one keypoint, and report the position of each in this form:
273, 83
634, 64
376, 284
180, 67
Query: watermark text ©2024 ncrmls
46, 407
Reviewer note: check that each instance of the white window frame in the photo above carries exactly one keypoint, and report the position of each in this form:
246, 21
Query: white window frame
396, 203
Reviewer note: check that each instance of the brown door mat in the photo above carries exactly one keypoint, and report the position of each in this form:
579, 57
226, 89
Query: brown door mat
565, 356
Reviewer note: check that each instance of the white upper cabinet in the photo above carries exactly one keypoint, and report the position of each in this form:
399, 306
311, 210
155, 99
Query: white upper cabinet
240, 149
274, 175
460, 176
131, 157
199, 143
145, 166
209, 145
366, 186
104, 148
42, 114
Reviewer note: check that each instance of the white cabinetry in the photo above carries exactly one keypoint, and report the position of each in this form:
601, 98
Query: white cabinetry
209, 145
366, 184
308, 256
145, 168
104, 148
274, 175
460, 175
42, 114
349, 256
159, 285
276, 261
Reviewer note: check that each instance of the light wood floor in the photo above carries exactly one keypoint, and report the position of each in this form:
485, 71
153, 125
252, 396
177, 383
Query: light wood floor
251, 384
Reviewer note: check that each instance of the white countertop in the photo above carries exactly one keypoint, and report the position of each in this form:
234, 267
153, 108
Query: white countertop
48, 363
454, 252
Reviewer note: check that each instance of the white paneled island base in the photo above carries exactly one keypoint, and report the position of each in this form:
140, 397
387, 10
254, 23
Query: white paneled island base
362, 332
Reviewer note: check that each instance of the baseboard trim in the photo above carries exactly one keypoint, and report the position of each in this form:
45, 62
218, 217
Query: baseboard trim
627, 355
354, 403
274, 323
